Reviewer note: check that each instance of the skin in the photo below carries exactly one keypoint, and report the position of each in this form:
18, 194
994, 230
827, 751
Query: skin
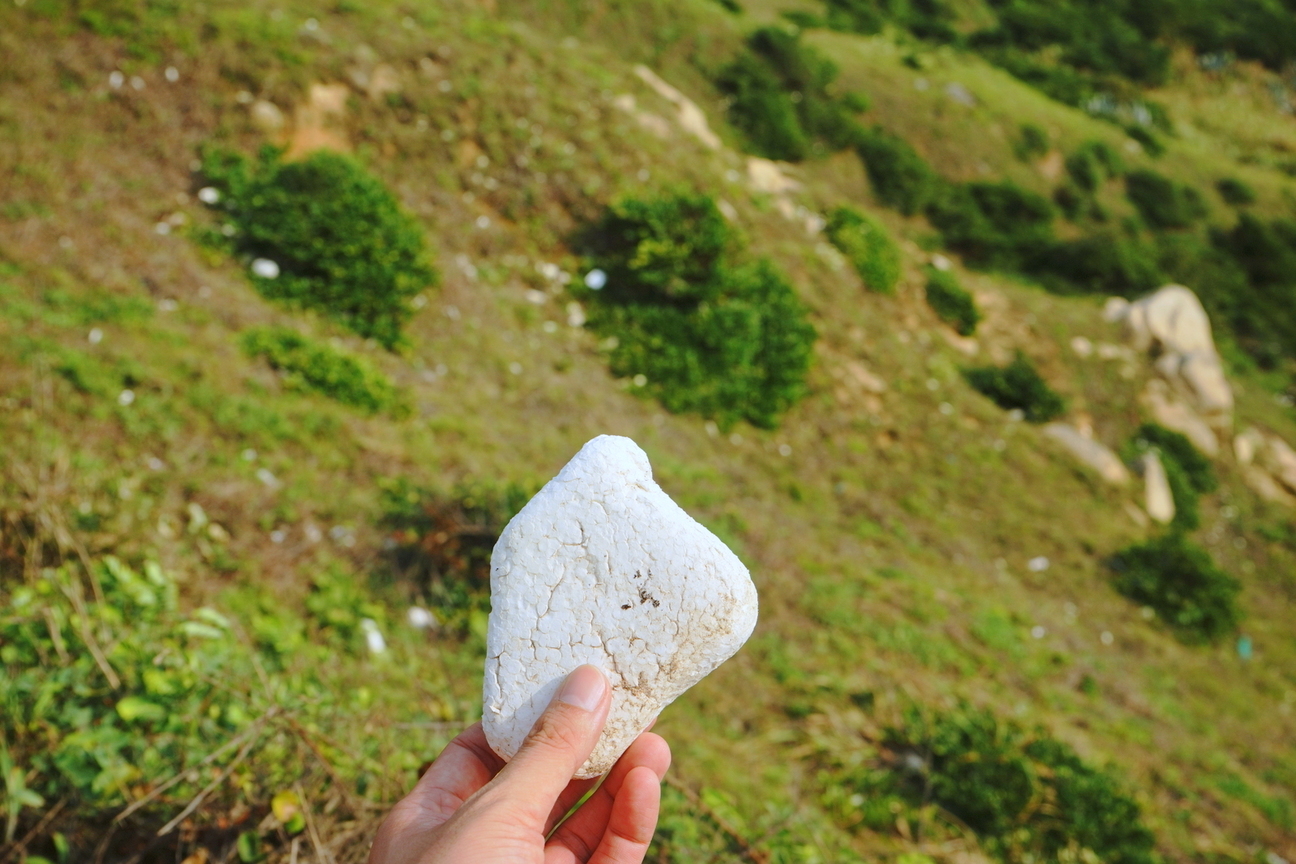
472, 806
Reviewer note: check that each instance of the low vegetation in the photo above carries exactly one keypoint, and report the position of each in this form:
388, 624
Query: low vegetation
1182, 584
1018, 387
868, 247
339, 242
951, 301
692, 324
307, 365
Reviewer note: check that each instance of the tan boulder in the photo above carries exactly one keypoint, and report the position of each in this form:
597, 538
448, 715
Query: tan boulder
1158, 499
1175, 414
1092, 453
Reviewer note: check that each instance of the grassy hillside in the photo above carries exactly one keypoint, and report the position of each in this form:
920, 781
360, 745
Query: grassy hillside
193, 533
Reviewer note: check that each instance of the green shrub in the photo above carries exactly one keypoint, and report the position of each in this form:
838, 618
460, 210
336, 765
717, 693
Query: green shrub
1151, 143
1182, 583
708, 333
900, 177
1101, 263
779, 100
1092, 163
342, 243
1235, 192
311, 366
951, 302
1175, 447
868, 247
1032, 142
1028, 796
1162, 202
998, 225
1018, 386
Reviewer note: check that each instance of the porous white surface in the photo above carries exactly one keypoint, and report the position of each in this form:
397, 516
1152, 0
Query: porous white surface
602, 567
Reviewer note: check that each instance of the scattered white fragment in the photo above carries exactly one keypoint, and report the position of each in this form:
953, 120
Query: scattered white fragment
421, 619
575, 315
265, 268
1082, 346
419, 301
1016, 415
785, 450
65, 242
1106, 638
595, 279
116, 79
278, 535
209, 195
946, 408
248, 455
172, 74
933, 385
640, 380
163, 228
537, 297
735, 439
602, 567
549, 326
373, 636
1038, 564
940, 262
483, 222
515, 368
95, 336
166, 304
313, 533
266, 477
137, 82
126, 397
154, 463
1038, 632
1147, 613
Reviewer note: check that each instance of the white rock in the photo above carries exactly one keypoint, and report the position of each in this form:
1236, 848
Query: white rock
1115, 309
266, 115
602, 567
1082, 346
1246, 446
1090, 452
691, 118
1179, 417
265, 268
766, 176
1158, 500
1283, 462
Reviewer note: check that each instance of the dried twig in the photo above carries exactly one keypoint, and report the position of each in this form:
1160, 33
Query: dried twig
21, 845
745, 848
210, 787
322, 854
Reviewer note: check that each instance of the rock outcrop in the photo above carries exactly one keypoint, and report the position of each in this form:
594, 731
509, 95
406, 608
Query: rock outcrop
1158, 499
1092, 453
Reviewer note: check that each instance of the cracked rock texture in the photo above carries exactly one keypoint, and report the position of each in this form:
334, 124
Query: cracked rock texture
602, 567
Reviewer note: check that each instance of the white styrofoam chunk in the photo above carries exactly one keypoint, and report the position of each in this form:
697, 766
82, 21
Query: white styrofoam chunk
602, 567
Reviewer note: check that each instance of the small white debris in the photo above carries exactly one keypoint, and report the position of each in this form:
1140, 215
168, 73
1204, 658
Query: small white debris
539, 298
1038, 632
172, 74
421, 619
269, 479
1016, 415
549, 326
419, 301
204, 291
1147, 613
163, 228
595, 279
548, 270
575, 315
940, 262
209, 195
946, 408
1038, 564
445, 86
452, 312
95, 336
228, 230
785, 450
126, 397
1000, 445
116, 79
278, 535
482, 222
640, 380
1082, 346
643, 175
515, 368
137, 82
167, 305
265, 268
154, 463
313, 533
311, 25
711, 428
1106, 637
736, 440
65, 242
933, 385
243, 97
373, 636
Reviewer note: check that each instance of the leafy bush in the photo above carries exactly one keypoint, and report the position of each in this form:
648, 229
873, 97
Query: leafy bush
779, 100
1032, 142
1183, 584
1018, 386
1235, 192
708, 334
1028, 796
900, 177
997, 225
1188, 472
311, 366
951, 302
1092, 163
1101, 263
867, 245
1162, 202
342, 244
926, 19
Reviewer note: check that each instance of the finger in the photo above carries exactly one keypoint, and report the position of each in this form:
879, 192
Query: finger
633, 820
568, 799
464, 766
561, 740
584, 830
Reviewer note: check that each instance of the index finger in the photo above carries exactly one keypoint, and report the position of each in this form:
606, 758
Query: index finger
464, 766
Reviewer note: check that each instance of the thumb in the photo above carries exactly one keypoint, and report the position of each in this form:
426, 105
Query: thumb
561, 740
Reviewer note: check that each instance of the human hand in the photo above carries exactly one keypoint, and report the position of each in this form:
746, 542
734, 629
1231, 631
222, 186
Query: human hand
471, 806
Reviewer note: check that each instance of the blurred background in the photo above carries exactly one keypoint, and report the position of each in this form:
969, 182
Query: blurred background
301, 301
